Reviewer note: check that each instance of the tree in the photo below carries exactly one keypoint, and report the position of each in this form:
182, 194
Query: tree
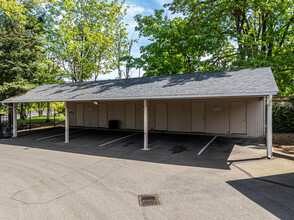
21, 53
12, 10
132, 62
81, 33
23, 63
123, 58
120, 48
222, 34
170, 51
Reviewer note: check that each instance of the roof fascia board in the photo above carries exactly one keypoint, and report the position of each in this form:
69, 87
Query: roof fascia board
150, 98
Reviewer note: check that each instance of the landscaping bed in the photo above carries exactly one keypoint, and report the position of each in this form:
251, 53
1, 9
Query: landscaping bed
284, 142
37, 122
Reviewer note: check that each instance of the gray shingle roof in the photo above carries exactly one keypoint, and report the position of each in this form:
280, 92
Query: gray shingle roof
245, 82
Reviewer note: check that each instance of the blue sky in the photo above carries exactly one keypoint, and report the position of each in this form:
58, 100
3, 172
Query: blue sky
145, 7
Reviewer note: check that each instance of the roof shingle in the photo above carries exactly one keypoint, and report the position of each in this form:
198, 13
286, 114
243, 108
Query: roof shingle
245, 82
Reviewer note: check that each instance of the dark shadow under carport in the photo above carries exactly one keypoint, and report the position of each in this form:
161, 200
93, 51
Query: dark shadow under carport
87, 141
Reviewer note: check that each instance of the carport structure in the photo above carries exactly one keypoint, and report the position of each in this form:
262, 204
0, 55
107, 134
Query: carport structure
219, 103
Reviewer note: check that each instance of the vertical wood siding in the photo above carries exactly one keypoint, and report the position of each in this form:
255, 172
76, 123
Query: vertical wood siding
238, 117
198, 116
221, 116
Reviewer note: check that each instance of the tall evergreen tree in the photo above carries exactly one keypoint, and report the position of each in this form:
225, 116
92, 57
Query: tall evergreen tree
22, 55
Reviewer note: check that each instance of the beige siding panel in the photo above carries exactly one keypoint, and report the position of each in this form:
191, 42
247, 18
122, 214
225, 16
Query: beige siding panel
131, 116
187, 117
179, 116
86, 114
198, 117
175, 112
72, 114
161, 116
151, 115
97, 116
217, 117
255, 117
238, 118
139, 115
93, 116
90, 115
116, 111
103, 116
79, 114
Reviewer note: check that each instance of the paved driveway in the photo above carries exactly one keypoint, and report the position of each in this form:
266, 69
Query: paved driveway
45, 178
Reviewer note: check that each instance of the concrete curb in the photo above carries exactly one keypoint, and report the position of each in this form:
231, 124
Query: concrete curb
283, 155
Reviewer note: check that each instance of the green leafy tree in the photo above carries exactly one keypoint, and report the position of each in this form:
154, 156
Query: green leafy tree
220, 35
170, 50
133, 62
80, 35
120, 48
12, 10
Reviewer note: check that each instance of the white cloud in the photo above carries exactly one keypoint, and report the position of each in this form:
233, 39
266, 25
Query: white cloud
162, 2
134, 9
149, 10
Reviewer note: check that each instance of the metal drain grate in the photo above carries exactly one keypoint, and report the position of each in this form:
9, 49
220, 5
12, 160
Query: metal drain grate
148, 200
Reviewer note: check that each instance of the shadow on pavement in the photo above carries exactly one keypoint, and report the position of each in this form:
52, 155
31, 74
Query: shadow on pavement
87, 141
273, 193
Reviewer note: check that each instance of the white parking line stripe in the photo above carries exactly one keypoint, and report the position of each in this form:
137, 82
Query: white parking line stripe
101, 145
200, 152
56, 135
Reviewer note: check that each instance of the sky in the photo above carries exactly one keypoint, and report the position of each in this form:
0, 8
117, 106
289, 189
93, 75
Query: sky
144, 7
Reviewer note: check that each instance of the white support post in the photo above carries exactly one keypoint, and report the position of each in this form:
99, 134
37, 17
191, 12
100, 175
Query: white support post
66, 123
269, 126
146, 125
14, 118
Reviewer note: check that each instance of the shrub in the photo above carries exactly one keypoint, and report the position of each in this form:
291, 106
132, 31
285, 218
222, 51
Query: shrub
291, 99
283, 118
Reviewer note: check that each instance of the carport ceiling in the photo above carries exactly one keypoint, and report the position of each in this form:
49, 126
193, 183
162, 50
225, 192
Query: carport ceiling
245, 82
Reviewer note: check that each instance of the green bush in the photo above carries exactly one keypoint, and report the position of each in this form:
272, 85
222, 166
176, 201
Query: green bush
283, 118
291, 99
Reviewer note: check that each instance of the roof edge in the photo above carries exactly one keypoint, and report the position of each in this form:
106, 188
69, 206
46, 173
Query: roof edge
150, 98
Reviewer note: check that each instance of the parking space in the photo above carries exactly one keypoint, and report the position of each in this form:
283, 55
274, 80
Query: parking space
129, 144
96, 177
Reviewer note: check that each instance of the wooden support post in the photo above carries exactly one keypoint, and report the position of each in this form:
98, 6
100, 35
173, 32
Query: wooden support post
66, 123
146, 125
269, 126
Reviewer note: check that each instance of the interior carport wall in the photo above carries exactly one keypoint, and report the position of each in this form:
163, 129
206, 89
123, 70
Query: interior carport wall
241, 116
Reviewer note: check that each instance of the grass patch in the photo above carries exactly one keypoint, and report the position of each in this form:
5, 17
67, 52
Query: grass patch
41, 119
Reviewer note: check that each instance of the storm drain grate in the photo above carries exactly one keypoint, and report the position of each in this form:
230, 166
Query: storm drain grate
148, 200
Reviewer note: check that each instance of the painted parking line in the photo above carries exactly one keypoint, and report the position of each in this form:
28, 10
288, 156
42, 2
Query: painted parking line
56, 135
200, 152
101, 145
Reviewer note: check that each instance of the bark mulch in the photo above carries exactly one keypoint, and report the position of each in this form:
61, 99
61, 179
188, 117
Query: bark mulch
284, 142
